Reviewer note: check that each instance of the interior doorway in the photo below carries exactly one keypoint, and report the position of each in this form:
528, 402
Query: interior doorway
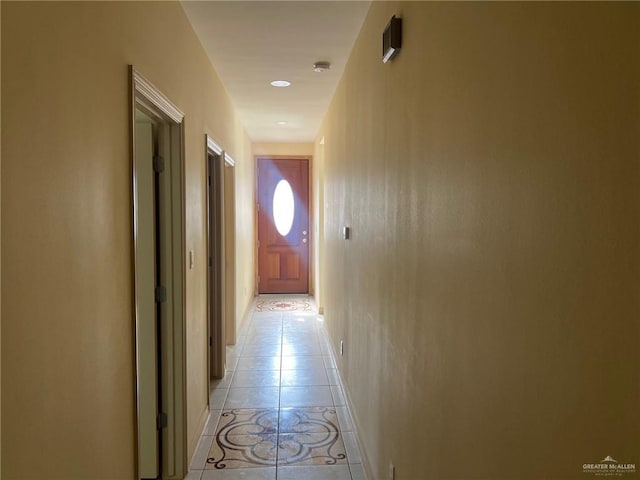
159, 281
221, 231
216, 271
283, 225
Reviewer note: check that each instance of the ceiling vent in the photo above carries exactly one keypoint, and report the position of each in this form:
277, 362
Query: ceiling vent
321, 67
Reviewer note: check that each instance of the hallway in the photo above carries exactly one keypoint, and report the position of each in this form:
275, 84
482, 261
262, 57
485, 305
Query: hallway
280, 412
473, 235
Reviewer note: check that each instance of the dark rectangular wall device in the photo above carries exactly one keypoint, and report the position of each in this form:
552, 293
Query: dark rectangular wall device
392, 39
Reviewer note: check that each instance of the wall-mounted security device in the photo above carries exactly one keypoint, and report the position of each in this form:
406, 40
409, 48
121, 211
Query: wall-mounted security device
346, 233
391, 39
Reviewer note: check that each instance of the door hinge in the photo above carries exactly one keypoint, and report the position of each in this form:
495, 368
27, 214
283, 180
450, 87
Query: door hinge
158, 164
161, 294
210, 341
210, 262
258, 207
162, 421
258, 279
258, 243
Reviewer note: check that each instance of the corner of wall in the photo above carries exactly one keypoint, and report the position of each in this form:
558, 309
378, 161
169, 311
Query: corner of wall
245, 229
317, 179
244, 319
196, 433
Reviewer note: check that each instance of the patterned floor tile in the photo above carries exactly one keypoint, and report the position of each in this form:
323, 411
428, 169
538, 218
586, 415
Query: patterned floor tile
308, 420
243, 451
243, 421
311, 449
279, 305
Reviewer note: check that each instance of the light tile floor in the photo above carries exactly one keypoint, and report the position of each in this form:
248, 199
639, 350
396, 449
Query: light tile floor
280, 412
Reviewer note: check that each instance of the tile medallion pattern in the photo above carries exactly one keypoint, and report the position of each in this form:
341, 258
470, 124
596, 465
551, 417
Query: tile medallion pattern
311, 449
247, 438
308, 420
280, 305
243, 451
247, 422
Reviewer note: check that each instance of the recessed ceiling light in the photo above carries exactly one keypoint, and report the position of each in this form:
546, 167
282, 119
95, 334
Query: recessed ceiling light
280, 83
281, 122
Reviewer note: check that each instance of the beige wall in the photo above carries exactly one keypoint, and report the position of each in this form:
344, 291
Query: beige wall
230, 255
317, 241
245, 233
67, 339
283, 148
489, 297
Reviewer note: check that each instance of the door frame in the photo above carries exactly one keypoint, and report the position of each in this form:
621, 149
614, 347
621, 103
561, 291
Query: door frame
173, 451
215, 248
256, 253
230, 247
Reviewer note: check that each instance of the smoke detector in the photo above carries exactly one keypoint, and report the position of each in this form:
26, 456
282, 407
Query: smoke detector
321, 67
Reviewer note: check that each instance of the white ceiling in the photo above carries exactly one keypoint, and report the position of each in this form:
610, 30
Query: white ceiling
252, 43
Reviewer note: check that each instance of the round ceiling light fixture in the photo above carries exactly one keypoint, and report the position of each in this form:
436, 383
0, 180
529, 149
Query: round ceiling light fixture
321, 67
280, 83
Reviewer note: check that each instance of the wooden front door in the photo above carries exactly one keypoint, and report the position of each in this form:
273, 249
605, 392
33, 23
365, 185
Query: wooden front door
283, 225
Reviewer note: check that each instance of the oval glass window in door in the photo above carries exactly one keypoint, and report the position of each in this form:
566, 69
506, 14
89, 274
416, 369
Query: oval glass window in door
283, 207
